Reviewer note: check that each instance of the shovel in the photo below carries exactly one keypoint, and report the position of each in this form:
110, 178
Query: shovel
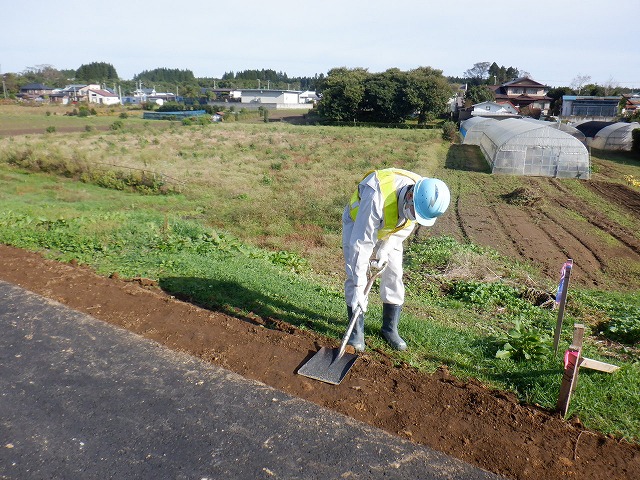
331, 365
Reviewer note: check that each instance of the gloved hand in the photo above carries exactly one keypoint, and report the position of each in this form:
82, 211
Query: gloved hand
382, 257
359, 298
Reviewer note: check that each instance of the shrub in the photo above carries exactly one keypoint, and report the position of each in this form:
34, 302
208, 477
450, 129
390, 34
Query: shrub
51, 129
203, 120
449, 131
124, 115
117, 125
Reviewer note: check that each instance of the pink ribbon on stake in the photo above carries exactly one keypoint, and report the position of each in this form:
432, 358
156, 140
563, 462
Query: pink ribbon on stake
570, 357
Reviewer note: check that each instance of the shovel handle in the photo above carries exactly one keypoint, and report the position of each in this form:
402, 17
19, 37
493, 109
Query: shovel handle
357, 312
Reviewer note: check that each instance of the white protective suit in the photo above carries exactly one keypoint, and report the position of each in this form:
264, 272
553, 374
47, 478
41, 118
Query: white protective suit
360, 241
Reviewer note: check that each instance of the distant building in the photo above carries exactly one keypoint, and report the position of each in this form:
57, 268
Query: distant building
274, 98
596, 108
523, 92
495, 109
102, 97
632, 104
144, 95
34, 91
309, 97
73, 93
223, 94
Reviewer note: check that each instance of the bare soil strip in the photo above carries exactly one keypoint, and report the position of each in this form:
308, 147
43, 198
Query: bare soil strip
490, 429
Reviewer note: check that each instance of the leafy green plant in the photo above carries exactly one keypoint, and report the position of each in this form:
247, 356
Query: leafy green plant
290, 260
624, 328
524, 344
489, 294
619, 315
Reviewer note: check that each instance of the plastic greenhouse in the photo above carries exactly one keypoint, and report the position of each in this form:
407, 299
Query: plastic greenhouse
617, 136
573, 131
473, 128
521, 147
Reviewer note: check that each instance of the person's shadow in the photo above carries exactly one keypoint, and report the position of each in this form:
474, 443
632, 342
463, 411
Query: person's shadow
249, 305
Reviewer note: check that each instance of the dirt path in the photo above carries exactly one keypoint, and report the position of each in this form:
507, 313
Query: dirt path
486, 428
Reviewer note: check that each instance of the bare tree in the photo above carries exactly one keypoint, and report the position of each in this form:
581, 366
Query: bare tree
580, 81
479, 71
609, 86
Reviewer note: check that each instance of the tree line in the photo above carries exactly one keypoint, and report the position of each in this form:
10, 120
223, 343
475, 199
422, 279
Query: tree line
162, 79
347, 94
392, 96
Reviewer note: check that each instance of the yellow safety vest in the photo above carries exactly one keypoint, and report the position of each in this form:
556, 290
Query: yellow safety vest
386, 179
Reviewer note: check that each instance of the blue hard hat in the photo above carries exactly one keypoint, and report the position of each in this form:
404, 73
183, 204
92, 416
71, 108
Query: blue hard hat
431, 199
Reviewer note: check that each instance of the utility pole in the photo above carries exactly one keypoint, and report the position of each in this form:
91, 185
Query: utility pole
4, 87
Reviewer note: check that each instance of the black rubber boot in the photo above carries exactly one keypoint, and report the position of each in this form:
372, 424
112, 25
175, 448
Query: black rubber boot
390, 319
356, 340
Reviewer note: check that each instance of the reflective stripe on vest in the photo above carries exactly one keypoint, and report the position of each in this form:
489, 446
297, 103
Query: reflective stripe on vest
386, 179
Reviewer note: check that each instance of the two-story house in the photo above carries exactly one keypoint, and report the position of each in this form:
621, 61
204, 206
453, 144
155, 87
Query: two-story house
523, 92
33, 91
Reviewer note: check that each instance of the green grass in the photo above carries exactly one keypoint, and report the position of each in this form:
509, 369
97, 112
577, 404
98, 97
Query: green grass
255, 231
143, 236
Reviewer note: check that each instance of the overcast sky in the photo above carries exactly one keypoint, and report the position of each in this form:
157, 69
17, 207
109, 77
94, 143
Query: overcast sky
553, 40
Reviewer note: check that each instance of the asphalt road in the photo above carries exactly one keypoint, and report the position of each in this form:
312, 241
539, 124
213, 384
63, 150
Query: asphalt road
81, 399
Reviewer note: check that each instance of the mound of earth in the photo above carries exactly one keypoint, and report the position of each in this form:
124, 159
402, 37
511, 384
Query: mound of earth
487, 428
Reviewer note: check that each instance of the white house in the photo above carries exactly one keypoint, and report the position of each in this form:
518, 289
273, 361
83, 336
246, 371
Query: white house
102, 97
73, 93
274, 99
494, 109
270, 96
309, 97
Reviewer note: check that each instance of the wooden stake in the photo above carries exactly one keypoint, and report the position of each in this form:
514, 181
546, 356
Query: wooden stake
562, 293
571, 368
573, 360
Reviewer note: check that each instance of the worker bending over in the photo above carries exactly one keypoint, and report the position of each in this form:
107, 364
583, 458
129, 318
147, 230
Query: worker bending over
380, 216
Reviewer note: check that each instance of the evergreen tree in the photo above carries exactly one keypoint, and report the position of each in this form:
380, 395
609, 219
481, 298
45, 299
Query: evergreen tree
96, 72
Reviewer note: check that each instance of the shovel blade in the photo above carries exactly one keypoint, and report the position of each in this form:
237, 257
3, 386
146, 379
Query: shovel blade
326, 367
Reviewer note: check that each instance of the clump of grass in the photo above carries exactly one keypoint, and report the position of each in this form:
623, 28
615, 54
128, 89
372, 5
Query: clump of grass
523, 196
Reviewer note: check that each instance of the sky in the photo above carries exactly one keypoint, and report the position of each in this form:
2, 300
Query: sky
553, 40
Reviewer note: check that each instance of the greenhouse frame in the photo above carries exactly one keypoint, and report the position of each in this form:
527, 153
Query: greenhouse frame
521, 147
